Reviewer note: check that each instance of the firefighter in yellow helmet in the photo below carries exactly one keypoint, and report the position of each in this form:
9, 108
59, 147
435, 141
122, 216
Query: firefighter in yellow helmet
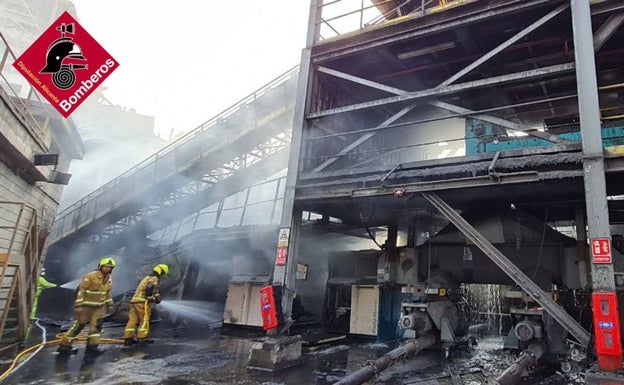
92, 298
139, 314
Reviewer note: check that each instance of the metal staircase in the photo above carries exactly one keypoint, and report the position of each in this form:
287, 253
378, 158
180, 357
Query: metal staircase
19, 261
11, 329
239, 147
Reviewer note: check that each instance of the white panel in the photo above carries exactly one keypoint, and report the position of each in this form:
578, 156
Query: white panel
254, 317
236, 304
242, 306
364, 310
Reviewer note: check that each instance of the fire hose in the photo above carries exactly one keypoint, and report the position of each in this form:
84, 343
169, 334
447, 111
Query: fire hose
372, 368
40, 346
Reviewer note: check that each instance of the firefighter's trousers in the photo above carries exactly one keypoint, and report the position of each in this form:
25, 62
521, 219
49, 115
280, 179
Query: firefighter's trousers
138, 316
92, 315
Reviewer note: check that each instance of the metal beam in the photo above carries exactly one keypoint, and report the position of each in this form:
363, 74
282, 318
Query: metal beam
450, 107
598, 8
522, 177
489, 13
362, 81
364, 138
501, 122
517, 275
417, 95
541, 21
607, 30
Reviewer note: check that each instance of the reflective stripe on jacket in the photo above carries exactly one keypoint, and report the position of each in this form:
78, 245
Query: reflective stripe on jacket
94, 290
141, 294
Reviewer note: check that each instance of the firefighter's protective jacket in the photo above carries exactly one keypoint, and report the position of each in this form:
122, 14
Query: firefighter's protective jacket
147, 290
94, 290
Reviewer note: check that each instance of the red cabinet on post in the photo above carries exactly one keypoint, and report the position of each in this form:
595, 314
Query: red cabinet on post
607, 330
267, 308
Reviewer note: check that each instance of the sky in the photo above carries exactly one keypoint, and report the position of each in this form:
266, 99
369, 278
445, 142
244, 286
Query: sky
184, 61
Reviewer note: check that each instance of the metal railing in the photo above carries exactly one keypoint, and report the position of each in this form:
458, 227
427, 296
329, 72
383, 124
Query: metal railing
10, 79
338, 17
18, 235
137, 179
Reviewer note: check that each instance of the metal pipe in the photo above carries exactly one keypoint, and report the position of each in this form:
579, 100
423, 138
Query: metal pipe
372, 368
527, 359
479, 328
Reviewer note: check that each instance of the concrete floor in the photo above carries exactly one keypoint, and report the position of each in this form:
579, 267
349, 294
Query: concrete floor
200, 355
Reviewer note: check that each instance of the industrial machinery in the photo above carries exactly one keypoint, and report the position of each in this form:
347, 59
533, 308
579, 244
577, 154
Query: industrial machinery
436, 311
484, 137
533, 329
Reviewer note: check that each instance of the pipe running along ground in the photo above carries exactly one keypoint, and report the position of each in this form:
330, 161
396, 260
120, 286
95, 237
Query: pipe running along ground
372, 368
41, 345
522, 365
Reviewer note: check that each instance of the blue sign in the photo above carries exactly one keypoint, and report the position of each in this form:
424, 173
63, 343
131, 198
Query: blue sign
605, 325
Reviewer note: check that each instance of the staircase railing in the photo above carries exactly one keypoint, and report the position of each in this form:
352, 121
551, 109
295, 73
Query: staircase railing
19, 238
13, 295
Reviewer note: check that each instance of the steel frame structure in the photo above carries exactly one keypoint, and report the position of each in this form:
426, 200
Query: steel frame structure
344, 117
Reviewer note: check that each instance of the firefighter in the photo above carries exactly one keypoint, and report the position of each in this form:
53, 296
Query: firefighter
139, 315
42, 284
92, 298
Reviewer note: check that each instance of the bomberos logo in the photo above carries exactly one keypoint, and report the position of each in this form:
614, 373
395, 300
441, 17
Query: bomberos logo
65, 64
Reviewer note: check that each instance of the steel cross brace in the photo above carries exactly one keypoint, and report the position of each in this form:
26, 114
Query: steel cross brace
509, 268
453, 108
600, 37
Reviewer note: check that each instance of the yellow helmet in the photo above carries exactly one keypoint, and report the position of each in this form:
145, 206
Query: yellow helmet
107, 261
161, 269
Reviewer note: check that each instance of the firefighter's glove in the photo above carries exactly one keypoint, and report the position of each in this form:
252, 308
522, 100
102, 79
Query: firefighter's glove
77, 311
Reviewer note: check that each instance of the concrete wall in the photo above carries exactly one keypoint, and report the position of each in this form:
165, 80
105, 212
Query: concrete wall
20, 142
44, 197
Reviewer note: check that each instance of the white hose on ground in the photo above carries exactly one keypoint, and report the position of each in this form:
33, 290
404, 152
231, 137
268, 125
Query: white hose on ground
43, 344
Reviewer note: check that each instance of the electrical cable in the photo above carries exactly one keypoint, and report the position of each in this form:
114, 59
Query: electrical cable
539, 258
372, 237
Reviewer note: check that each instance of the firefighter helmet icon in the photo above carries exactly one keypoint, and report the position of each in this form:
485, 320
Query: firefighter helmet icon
57, 57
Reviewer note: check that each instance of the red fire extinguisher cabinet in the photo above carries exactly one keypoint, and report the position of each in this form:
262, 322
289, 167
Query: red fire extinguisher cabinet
607, 330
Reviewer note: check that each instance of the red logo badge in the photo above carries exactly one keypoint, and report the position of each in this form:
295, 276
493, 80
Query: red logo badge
65, 64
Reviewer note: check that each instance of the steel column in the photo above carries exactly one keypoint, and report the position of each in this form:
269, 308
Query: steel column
589, 109
509, 268
593, 158
284, 275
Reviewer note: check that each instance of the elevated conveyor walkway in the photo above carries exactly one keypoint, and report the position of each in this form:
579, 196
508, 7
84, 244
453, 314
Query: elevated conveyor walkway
243, 145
